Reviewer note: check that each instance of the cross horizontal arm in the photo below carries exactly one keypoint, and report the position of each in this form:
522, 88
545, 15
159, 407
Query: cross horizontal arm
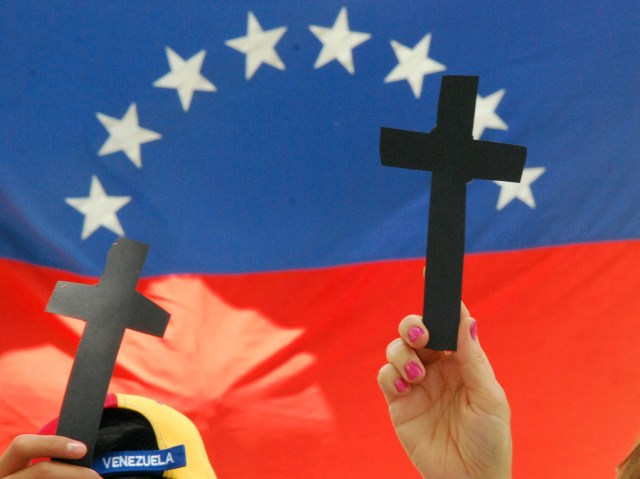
497, 161
148, 317
71, 299
82, 301
406, 149
474, 159
436, 152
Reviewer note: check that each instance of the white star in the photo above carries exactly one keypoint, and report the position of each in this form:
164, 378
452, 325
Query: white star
509, 191
126, 135
185, 76
338, 42
99, 209
259, 46
413, 64
485, 116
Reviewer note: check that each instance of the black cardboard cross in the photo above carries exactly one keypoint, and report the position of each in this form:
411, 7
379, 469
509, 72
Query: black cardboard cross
455, 158
110, 307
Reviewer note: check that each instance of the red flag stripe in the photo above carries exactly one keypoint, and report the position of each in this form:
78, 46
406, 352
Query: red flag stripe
289, 359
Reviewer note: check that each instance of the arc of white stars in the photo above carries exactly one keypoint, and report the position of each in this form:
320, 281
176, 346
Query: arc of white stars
99, 209
185, 76
510, 191
414, 64
126, 135
258, 45
486, 116
338, 42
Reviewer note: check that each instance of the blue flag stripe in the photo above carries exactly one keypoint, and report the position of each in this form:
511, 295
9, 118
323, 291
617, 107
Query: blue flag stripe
274, 165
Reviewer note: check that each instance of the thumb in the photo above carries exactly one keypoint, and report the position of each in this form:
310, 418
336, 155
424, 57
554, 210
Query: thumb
476, 371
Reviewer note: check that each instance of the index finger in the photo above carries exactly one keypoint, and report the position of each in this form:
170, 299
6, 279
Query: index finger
415, 334
23, 449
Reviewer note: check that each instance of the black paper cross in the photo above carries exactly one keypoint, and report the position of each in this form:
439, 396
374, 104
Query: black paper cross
110, 307
455, 158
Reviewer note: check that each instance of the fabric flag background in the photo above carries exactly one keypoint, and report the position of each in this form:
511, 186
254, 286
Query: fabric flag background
240, 140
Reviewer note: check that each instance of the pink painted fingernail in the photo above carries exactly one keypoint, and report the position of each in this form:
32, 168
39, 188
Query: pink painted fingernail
473, 329
414, 333
413, 370
401, 385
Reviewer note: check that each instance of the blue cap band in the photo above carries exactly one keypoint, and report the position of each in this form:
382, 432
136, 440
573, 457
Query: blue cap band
141, 461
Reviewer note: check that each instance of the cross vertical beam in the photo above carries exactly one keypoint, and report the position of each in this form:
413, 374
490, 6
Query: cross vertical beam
455, 158
447, 207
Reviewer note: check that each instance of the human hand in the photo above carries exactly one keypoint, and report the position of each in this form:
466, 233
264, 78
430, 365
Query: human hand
15, 463
449, 411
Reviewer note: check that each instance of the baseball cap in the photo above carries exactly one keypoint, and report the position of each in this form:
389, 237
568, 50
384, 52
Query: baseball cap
180, 455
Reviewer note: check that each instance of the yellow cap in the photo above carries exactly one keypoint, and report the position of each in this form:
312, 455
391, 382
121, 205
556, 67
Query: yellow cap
172, 429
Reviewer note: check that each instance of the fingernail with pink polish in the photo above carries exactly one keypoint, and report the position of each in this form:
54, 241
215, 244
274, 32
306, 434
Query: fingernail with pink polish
473, 329
413, 370
401, 385
414, 333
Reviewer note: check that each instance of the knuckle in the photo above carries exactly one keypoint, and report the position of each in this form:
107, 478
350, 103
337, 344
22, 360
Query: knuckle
21, 444
479, 356
383, 373
44, 469
393, 348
